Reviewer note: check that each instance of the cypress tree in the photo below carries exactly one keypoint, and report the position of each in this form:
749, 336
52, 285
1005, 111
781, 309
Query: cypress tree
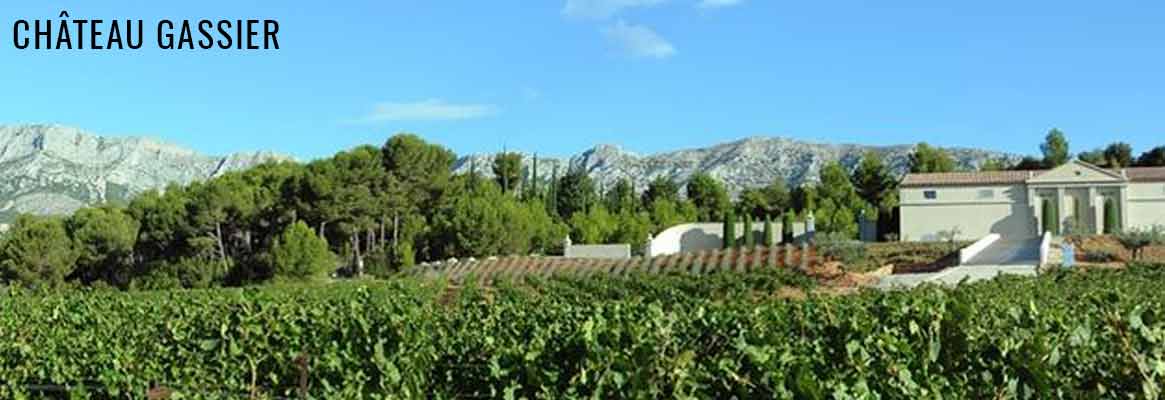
1051, 218
1111, 218
787, 227
729, 230
552, 194
749, 238
534, 177
767, 240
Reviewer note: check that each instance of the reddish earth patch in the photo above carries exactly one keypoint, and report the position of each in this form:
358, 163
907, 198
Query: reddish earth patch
1109, 244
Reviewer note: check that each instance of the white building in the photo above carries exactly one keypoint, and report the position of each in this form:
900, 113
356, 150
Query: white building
1011, 203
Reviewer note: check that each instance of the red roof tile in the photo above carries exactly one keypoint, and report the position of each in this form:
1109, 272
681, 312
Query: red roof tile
1135, 174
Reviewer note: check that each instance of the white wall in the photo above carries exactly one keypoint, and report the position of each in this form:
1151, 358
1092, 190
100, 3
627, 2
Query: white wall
969, 208
1146, 204
597, 251
709, 235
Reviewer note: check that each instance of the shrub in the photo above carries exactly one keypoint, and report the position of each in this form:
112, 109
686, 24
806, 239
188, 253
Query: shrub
37, 252
951, 238
1137, 239
1100, 256
387, 262
840, 247
299, 254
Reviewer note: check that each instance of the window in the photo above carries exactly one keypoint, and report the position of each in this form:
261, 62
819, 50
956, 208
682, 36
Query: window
987, 194
930, 194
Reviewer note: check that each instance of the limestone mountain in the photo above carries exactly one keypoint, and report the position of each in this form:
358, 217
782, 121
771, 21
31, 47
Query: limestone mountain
750, 162
53, 169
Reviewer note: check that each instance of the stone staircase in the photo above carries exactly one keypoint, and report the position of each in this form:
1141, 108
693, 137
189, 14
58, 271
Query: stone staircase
1055, 251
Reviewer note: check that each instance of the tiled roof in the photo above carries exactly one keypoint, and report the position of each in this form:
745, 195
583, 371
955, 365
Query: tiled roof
1146, 174
967, 178
1135, 174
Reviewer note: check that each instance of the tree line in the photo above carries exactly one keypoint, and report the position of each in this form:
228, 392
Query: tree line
374, 210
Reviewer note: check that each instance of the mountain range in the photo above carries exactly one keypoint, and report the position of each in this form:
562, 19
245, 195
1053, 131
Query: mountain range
751, 162
53, 169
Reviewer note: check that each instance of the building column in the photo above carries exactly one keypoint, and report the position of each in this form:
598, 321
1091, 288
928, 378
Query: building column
1123, 209
1060, 209
1097, 205
1033, 204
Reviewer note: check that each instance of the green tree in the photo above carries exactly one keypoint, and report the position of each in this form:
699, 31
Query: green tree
777, 195
729, 233
1055, 149
661, 188
1111, 217
840, 203
804, 198
753, 202
418, 170
37, 252
873, 181
575, 192
749, 237
1118, 155
767, 239
666, 213
485, 223
995, 164
632, 228
299, 254
709, 196
1028, 163
1152, 158
621, 197
507, 169
787, 222
104, 239
927, 159
594, 226
1051, 217
1094, 157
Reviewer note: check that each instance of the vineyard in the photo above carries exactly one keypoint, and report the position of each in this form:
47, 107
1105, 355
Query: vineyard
1089, 334
740, 260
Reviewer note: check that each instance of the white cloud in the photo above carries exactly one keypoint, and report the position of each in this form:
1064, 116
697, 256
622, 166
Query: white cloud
602, 9
718, 3
639, 40
428, 110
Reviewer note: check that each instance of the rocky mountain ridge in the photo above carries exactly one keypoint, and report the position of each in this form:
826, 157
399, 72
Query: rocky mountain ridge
750, 162
54, 169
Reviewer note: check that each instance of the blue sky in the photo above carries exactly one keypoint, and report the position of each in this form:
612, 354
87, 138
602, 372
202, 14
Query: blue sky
560, 76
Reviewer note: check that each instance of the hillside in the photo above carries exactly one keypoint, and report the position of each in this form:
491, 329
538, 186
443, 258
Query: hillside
744, 163
52, 169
